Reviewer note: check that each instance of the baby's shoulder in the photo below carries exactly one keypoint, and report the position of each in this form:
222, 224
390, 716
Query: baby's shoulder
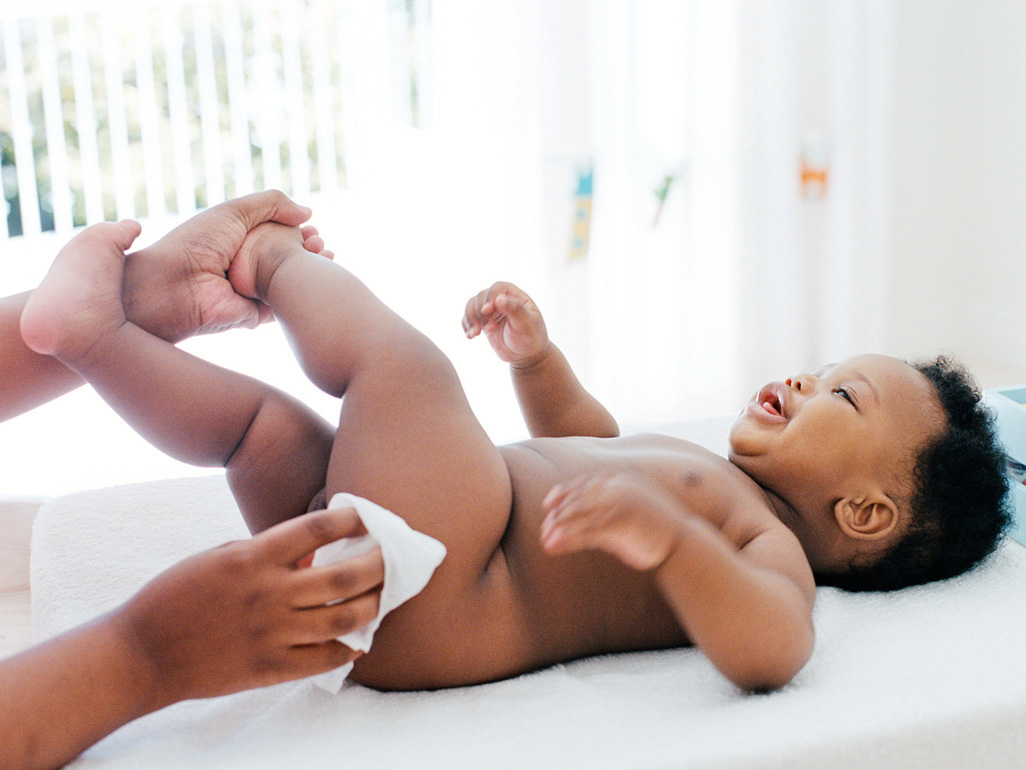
712, 487
708, 483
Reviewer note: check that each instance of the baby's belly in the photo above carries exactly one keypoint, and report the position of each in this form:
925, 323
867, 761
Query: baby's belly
579, 604
527, 610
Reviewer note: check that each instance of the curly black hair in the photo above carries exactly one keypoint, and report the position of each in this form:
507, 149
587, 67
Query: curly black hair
960, 505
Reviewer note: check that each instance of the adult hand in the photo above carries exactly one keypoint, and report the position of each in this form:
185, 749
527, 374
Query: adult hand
243, 615
178, 286
251, 613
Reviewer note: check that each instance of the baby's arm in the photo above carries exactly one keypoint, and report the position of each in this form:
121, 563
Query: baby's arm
552, 399
748, 609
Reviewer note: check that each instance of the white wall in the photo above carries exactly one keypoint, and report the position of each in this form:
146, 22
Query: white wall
958, 143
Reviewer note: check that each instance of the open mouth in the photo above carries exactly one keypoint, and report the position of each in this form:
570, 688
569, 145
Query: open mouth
769, 399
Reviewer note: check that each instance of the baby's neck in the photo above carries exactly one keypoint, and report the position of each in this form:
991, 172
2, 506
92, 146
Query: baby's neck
789, 516
786, 513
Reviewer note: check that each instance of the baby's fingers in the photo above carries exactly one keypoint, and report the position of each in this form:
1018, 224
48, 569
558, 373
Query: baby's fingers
556, 496
473, 318
572, 518
508, 305
481, 313
571, 533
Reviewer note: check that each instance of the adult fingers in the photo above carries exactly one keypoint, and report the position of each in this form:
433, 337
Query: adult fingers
336, 582
288, 542
319, 624
306, 660
268, 206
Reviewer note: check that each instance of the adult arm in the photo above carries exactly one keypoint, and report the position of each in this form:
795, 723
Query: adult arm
173, 289
244, 615
29, 378
552, 399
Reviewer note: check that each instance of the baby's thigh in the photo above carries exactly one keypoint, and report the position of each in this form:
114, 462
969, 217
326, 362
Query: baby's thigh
408, 440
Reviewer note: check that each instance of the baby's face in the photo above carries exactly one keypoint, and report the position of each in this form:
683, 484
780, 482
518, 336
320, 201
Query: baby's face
815, 438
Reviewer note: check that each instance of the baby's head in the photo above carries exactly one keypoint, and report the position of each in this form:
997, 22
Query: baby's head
890, 474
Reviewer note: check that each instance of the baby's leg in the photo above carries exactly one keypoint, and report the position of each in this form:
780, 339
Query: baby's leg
406, 439
276, 451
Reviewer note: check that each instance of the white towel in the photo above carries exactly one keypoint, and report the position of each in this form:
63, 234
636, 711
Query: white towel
410, 557
933, 676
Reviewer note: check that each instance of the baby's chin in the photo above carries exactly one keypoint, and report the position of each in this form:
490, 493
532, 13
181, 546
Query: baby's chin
735, 435
744, 445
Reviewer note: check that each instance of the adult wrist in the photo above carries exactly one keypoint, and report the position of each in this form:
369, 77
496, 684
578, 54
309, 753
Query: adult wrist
154, 688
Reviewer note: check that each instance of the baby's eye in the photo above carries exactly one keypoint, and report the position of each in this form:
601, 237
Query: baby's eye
845, 394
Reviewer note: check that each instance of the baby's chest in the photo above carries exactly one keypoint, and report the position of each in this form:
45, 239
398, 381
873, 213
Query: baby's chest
711, 488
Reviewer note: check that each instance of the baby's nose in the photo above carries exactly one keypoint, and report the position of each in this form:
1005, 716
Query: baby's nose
800, 382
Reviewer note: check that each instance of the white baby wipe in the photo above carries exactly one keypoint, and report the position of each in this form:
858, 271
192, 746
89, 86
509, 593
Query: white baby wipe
410, 558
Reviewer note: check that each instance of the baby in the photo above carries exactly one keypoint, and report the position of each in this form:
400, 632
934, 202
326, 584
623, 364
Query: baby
866, 473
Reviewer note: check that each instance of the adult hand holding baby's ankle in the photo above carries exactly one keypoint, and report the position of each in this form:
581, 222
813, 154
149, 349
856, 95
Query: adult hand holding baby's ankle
178, 287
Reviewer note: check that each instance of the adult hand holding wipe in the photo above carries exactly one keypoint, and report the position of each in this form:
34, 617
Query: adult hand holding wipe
410, 558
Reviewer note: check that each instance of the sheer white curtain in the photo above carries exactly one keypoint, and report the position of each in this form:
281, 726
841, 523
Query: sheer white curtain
813, 279
747, 276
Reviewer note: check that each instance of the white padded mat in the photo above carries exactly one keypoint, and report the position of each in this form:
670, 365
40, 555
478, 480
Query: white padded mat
928, 677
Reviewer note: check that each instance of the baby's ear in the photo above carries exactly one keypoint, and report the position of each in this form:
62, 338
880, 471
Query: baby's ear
866, 517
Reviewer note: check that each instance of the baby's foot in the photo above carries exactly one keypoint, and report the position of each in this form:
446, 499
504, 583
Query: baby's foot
79, 300
263, 251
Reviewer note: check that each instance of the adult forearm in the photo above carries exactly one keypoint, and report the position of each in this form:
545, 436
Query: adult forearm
61, 697
554, 403
29, 379
752, 623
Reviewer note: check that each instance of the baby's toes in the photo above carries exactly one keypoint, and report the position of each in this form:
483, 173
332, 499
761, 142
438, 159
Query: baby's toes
314, 244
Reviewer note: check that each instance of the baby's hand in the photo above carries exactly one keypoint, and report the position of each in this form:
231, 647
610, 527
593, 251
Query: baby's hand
623, 514
511, 321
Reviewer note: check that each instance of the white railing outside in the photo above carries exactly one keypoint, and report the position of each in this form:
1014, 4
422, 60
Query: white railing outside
145, 109
166, 108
